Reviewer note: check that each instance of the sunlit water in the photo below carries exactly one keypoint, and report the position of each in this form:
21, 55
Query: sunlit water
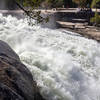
66, 67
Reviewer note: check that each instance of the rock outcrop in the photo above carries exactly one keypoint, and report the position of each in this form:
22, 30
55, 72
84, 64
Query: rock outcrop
16, 82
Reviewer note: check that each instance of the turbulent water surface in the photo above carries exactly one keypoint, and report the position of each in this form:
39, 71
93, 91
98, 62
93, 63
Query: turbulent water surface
66, 67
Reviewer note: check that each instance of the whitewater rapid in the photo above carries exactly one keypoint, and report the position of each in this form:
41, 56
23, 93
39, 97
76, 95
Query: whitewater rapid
65, 67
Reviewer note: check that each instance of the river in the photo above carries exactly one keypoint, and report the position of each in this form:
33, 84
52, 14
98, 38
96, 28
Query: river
64, 65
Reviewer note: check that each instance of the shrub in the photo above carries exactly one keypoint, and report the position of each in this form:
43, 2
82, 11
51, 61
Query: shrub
96, 19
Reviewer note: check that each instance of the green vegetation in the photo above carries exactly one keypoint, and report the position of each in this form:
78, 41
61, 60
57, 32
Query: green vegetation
51, 3
82, 3
28, 7
95, 3
90, 4
96, 18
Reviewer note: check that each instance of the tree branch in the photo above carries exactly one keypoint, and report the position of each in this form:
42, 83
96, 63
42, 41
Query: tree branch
22, 8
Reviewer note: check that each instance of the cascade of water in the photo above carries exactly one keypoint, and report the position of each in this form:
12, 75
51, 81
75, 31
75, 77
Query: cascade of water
66, 67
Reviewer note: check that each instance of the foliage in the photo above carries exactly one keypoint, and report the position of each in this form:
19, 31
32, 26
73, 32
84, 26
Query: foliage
29, 7
59, 3
52, 3
95, 19
81, 3
95, 3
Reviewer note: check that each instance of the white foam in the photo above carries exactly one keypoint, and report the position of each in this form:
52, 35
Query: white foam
66, 67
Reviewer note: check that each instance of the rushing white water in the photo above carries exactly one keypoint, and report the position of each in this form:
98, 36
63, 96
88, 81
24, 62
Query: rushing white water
66, 67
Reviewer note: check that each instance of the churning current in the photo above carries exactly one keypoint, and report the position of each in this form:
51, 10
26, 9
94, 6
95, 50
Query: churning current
65, 66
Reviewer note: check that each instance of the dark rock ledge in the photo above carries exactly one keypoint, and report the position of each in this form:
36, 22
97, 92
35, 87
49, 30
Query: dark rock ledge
16, 81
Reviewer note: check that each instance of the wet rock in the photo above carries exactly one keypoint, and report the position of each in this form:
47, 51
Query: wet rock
6, 50
16, 81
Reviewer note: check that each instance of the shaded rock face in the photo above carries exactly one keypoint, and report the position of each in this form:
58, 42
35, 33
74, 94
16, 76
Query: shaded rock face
16, 82
8, 5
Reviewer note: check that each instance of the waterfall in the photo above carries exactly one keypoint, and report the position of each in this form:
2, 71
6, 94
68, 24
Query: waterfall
65, 66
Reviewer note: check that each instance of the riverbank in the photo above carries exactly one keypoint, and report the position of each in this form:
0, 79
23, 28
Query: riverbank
68, 19
74, 21
87, 31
